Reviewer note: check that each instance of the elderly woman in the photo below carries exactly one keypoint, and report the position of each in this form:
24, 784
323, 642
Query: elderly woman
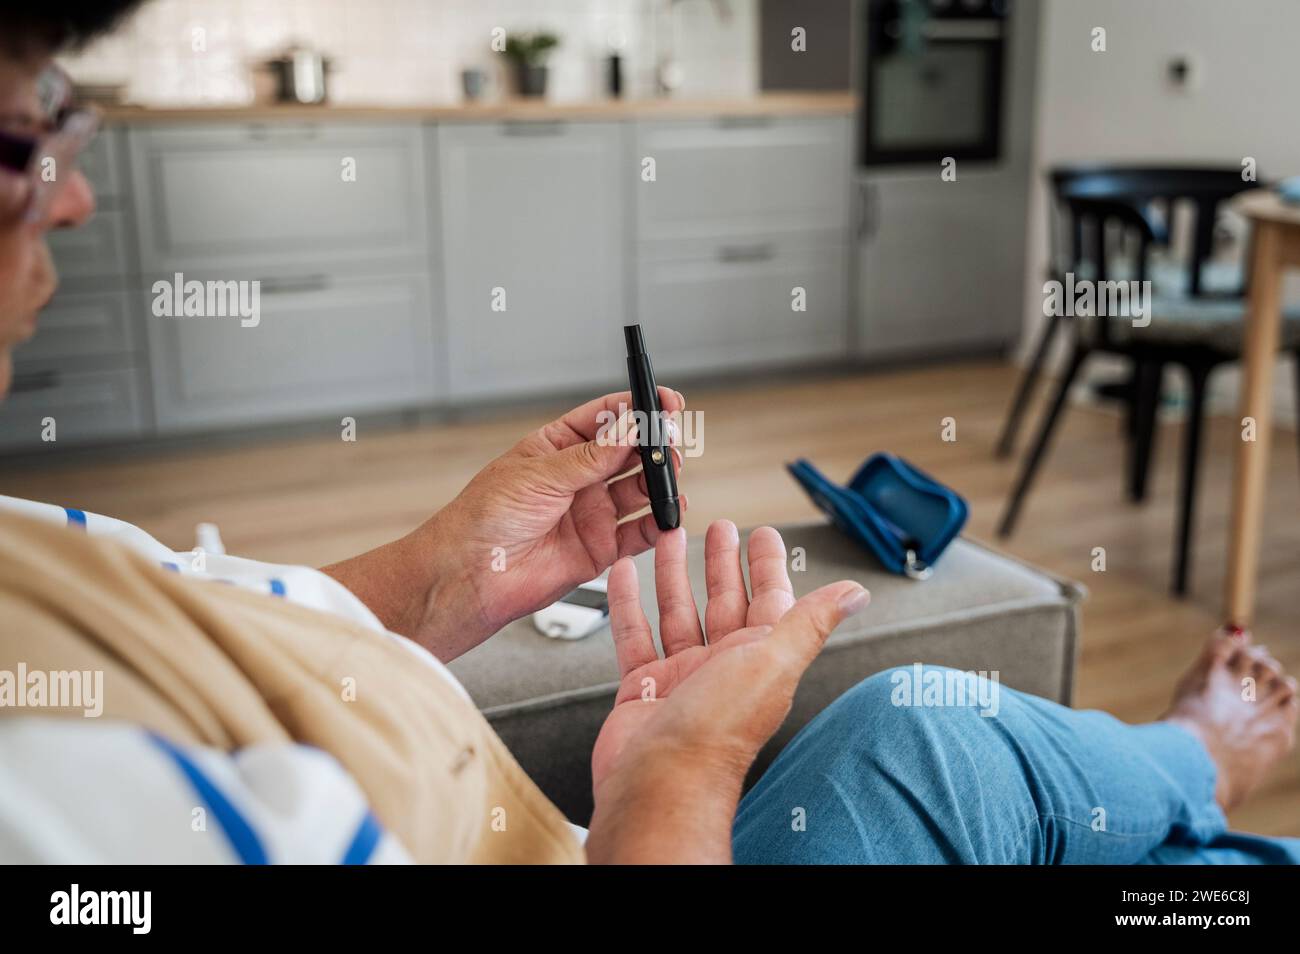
305, 715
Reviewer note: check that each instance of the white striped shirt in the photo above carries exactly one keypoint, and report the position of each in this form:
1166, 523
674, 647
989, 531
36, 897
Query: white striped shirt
74, 791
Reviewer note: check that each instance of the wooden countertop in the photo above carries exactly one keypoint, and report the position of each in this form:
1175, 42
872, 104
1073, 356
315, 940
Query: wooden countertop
762, 104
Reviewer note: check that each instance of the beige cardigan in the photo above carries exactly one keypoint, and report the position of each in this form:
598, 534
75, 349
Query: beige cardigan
206, 664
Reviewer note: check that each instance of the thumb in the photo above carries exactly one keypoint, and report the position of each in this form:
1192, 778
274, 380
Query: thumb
581, 465
803, 630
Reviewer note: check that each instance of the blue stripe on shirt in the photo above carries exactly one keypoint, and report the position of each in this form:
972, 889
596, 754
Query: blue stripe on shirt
76, 518
364, 841
239, 832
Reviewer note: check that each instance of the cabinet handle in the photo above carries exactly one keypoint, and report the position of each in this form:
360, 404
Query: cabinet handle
743, 122
286, 286
263, 132
35, 381
536, 127
760, 252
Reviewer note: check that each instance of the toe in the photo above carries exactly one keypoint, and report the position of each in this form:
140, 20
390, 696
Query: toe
1286, 689
1222, 644
1265, 666
1240, 661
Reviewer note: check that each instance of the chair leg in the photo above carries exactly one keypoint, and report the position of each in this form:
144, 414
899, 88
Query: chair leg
1147, 378
1198, 376
1296, 360
1131, 403
1045, 430
1026, 388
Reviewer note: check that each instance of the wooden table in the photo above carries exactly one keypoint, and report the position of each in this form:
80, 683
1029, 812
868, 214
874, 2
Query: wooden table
1276, 247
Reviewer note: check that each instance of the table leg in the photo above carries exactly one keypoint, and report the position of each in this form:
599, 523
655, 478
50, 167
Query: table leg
1263, 326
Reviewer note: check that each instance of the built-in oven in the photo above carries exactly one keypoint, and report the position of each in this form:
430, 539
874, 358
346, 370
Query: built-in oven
932, 83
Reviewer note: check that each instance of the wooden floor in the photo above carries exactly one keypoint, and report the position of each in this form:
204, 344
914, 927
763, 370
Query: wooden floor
317, 500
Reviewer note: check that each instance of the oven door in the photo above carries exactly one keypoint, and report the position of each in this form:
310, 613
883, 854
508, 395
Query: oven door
932, 85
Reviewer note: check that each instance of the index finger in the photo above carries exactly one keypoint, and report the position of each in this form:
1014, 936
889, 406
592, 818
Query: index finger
584, 423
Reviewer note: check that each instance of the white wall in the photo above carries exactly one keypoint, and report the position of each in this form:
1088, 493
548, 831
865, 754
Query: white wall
1120, 105
413, 51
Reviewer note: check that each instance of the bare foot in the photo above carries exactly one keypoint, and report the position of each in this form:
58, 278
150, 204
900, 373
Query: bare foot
1244, 734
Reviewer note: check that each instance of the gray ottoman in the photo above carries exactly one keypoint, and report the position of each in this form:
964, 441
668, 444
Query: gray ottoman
980, 610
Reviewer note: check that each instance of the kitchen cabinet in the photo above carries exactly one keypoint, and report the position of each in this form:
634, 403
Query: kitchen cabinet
731, 175
465, 261
728, 304
324, 345
86, 406
534, 250
937, 265
331, 220
742, 241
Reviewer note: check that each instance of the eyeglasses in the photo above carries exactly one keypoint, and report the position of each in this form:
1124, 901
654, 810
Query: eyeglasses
48, 159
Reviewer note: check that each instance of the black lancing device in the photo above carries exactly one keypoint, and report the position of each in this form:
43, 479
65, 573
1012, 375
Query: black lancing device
652, 438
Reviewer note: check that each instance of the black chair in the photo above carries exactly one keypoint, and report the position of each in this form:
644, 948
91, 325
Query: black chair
1140, 188
1105, 210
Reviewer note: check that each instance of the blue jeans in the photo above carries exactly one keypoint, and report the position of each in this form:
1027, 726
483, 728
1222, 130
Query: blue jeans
872, 782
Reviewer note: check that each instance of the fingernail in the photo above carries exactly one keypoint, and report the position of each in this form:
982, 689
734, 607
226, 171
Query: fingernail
682, 398
854, 601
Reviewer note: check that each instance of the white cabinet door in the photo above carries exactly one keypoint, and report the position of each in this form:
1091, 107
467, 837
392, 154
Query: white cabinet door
937, 268
534, 253
323, 346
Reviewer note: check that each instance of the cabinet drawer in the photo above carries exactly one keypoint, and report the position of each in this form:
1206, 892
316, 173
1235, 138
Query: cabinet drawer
95, 251
321, 346
87, 407
729, 313
82, 324
237, 196
734, 176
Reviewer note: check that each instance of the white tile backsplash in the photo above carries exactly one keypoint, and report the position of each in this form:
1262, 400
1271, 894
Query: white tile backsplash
176, 52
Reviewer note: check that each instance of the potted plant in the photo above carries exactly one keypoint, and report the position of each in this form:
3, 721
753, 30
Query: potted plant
528, 52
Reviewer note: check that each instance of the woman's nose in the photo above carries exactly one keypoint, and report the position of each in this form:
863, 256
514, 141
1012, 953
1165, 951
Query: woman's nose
73, 204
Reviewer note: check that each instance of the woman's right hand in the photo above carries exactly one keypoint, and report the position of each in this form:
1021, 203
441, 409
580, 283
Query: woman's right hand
671, 758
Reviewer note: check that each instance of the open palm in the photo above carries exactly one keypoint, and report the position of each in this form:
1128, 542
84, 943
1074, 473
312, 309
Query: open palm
694, 674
